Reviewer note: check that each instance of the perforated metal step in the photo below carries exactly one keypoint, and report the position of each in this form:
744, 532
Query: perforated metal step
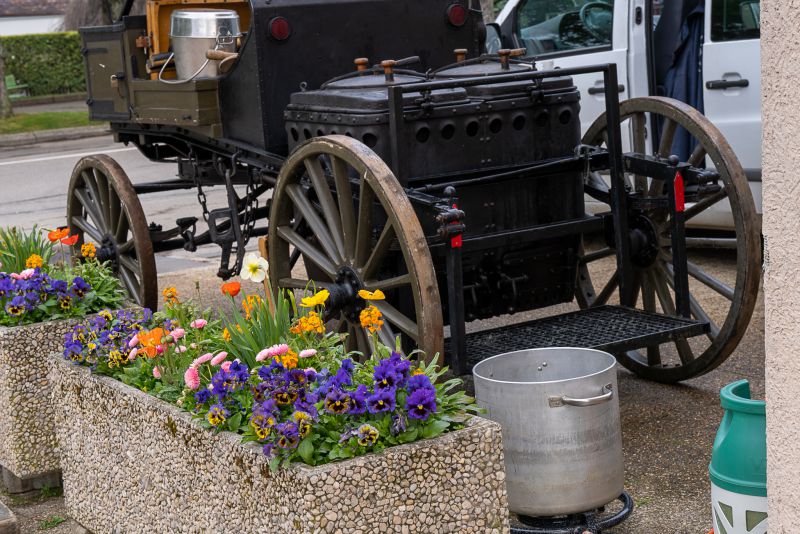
609, 328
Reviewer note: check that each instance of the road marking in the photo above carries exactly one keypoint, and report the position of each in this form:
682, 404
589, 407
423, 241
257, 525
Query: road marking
64, 156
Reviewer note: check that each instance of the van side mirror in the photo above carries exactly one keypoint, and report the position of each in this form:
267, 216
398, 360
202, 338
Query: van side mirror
494, 40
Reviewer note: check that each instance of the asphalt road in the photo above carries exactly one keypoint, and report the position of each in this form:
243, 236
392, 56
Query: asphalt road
34, 181
668, 431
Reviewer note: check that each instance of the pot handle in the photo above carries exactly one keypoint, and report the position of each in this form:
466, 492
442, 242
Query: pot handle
608, 394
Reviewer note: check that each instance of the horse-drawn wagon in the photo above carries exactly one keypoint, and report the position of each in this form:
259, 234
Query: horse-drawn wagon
452, 180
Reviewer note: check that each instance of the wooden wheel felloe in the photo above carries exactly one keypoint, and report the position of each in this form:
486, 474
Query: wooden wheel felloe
338, 205
103, 207
725, 299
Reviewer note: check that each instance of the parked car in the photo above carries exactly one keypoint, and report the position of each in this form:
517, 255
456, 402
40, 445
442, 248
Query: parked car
712, 45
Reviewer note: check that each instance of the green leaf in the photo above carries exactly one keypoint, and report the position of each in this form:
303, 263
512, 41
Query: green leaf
306, 451
434, 428
235, 422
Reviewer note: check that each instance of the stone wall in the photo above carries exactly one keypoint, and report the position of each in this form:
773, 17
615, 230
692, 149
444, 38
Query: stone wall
133, 463
780, 75
27, 441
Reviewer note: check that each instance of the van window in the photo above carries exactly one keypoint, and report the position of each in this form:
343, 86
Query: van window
734, 20
552, 26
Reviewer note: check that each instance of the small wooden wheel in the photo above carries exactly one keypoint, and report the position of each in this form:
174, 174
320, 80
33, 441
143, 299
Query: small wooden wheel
103, 207
726, 300
338, 205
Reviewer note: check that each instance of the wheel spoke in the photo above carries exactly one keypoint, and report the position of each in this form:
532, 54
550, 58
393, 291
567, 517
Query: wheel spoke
115, 211
648, 292
312, 252
95, 200
131, 264
698, 155
389, 283
122, 227
667, 137
639, 132
379, 252
608, 290
596, 255
126, 247
345, 194
394, 316
314, 221
298, 283
696, 309
131, 284
329, 209
704, 204
364, 231
102, 190
91, 210
717, 285
84, 225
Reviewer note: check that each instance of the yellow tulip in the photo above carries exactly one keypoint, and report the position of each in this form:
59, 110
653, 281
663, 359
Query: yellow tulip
318, 299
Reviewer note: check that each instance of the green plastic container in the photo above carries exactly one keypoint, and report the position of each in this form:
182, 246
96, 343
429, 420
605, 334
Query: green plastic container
738, 468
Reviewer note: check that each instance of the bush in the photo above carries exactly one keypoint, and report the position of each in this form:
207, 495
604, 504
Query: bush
47, 63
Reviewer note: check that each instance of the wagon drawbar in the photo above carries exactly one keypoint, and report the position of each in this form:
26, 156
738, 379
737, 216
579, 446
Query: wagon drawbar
459, 189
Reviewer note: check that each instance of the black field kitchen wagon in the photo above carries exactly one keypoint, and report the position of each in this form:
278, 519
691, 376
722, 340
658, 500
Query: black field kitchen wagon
378, 147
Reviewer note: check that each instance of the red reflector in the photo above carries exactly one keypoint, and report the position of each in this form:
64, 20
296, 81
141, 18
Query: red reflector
457, 15
680, 203
279, 29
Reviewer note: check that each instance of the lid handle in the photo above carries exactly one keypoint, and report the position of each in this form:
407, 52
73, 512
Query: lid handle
461, 54
388, 69
361, 63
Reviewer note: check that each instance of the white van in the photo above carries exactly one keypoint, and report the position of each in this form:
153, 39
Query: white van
648, 39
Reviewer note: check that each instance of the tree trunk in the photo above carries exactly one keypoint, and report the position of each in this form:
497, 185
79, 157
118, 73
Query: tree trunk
487, 6
5, 102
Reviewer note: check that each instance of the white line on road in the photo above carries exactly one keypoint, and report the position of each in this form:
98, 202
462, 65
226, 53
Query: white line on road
64, 156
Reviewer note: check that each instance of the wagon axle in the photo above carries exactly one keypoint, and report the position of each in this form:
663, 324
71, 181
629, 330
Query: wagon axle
344, 295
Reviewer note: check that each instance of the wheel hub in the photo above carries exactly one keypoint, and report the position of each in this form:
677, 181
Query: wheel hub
344, 294
644, 241
108, 251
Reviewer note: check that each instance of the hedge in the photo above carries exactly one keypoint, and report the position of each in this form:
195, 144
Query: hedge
47, 63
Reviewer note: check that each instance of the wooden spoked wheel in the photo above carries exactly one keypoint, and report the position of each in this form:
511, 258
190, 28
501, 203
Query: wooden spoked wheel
338, 206
724, 297
103, 207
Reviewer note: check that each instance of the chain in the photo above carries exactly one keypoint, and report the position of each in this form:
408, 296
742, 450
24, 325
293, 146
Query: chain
250, 206
201, 195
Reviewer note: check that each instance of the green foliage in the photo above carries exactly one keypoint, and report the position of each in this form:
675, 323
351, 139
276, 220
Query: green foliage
17, 245
51, 522
47, 63
257, 328
49, 120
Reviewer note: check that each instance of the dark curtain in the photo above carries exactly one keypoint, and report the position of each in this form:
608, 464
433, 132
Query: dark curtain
684, 79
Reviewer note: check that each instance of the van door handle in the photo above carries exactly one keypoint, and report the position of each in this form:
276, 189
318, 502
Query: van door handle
596, 90
725, 84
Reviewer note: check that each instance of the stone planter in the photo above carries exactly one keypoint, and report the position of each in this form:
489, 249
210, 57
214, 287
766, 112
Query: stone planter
28, 453
133, 463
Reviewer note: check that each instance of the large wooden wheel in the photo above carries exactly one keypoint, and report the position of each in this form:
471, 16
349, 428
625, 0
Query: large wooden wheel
725, 299
339, 207
103, 207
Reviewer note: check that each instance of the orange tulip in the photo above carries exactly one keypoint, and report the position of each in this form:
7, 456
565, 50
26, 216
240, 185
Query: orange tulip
71, 240
150, 341
231, 288
58, 234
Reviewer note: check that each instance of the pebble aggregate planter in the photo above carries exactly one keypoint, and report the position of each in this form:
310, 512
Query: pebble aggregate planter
133, 463
27, 439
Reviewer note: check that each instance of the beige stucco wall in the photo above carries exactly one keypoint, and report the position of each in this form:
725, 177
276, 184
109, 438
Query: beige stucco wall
780, 71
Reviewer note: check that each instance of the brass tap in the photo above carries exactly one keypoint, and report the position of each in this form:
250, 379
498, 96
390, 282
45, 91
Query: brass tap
461, 54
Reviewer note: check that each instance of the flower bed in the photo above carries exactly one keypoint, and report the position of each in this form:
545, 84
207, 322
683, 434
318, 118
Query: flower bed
134, 463
31, 294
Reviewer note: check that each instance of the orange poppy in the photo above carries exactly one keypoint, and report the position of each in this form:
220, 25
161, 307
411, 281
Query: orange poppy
231, 288
58, 234
150, 341
71, 240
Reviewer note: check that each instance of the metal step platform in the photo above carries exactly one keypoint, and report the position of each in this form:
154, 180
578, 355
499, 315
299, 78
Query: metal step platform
610, 328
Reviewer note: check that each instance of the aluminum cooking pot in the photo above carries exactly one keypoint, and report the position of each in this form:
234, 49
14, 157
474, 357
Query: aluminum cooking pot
561, 431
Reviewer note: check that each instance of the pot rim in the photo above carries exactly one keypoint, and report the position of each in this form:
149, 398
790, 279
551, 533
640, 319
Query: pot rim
476, 367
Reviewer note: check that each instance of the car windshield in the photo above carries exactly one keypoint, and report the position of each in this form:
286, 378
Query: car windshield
552, 26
